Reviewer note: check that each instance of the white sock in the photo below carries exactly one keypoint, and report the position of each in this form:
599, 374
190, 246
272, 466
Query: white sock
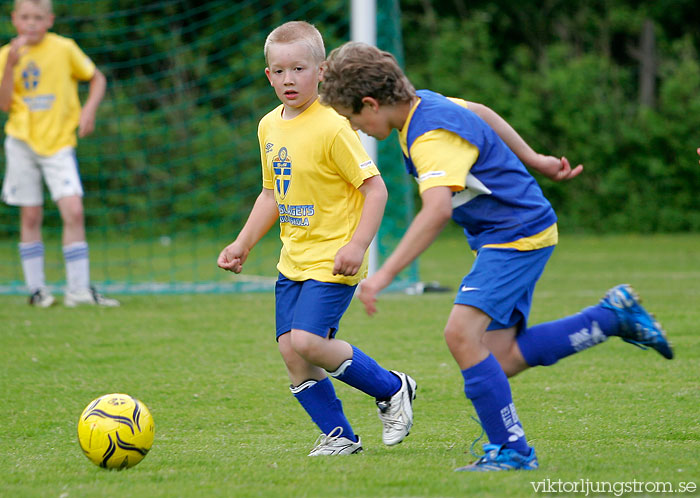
32, 256
77, 266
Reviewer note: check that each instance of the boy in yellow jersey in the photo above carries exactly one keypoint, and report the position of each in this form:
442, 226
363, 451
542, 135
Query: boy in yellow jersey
39, 90
329, 198
466, 172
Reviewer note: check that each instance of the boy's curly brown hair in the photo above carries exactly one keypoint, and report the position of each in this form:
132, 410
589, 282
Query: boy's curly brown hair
356, 70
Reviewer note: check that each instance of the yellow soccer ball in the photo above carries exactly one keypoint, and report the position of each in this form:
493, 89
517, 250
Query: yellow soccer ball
115, 431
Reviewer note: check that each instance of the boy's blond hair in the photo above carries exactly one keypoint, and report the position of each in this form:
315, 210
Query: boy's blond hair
356, 70
42, 4
295, 31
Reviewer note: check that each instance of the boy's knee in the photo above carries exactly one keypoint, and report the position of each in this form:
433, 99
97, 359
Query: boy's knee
284, 345
73, 216
71, 209
511, 361
458, 336
306, 344
31, 217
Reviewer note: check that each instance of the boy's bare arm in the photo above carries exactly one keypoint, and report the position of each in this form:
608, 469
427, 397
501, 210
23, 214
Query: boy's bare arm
349, 258
557, 169
6, 87
98, 85
7, 84
263, 215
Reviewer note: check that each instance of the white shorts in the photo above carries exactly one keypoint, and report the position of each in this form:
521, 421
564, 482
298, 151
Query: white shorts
24, 169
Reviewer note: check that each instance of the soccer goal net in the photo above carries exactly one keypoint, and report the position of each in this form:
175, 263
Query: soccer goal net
172, 170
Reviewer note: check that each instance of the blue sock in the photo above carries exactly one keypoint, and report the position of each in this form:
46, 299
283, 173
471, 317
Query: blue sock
546, 343
486, 385
365, 374
323, 406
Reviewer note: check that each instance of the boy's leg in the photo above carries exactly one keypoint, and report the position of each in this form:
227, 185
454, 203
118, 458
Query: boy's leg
314, 391
495, 295
63, 180
75, 248
347, 363
618, 314
31, 251
77, 256
319, 308
394, 391
310, 384
504, 347
31, 247
22, 186
31, 218
485, 383
72, 215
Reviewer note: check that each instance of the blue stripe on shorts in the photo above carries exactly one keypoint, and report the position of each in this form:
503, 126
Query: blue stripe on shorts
501, 283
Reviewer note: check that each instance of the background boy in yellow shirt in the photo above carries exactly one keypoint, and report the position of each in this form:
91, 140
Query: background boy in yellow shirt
39, 90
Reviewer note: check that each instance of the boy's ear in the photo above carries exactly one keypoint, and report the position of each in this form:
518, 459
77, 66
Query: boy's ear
267, 73
371, 102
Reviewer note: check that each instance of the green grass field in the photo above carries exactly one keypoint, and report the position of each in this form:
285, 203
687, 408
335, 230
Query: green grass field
226, 424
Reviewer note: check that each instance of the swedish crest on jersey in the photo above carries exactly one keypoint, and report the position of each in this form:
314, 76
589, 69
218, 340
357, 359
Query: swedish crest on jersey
30, 76
282, 167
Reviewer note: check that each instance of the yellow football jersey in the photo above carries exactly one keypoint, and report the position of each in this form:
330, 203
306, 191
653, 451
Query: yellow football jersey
45, 108
315, 164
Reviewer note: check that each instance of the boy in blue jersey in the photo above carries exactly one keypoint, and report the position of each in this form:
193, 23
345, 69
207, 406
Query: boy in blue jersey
467, 173
329, 198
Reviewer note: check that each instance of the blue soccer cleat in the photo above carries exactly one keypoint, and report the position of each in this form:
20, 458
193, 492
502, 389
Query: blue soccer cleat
499, 458
637, 325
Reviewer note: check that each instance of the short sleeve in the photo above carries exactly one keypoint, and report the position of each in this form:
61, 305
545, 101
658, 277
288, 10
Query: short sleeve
442, 159
81, 66
347, 152
267, 179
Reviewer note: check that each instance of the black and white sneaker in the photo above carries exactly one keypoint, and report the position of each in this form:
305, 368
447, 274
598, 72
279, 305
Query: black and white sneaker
89, 296
41, 298
396, 413
335, 444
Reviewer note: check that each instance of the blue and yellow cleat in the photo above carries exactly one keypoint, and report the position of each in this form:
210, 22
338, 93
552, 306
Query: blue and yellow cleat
499, 458
637, 325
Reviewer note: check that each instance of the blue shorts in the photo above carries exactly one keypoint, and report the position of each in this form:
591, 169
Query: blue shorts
310, 305
501, 284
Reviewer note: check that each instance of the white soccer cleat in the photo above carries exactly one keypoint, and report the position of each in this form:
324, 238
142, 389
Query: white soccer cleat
334, 444
89, 296
396, 413
41, 298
